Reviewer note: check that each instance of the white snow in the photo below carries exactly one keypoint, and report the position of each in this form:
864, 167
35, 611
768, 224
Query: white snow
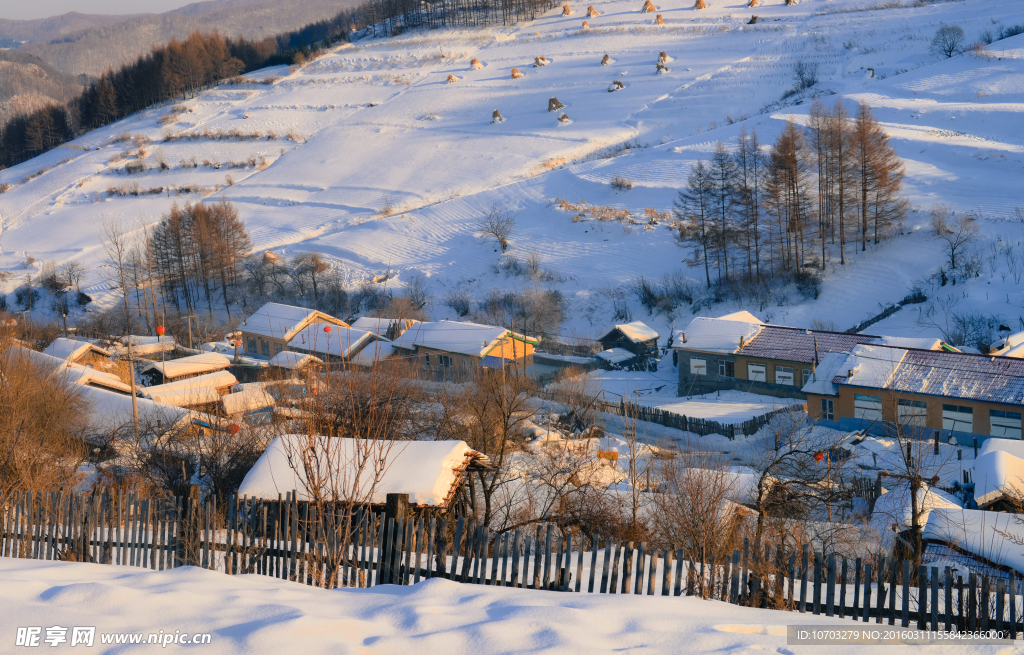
262, 615
338, 342
893, 507
615, 355
872, 366
995, 536
637, 331
996, 473
921, 343
460, 337
206, 362
292, 360
379, 326
110, 412
184, 397
831, 365
1013, 446
72, 349
212, 380
426, 470
278, 321
717, 335
246, 400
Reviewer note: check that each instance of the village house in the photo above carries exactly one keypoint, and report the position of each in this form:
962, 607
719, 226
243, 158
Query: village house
635, 337
389, 328
962, 395
269, 329
739, 351
172, 370
461, 345
69, 370
332, 343
431, 473
194, 391
78, 351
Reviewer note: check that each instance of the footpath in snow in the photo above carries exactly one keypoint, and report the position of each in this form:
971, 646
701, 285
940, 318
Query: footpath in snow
256, 615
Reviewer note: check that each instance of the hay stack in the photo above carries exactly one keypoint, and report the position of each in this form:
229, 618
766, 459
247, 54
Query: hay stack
555, 105
663, 58
452, 79
516, 74
661, 69
753, 3
496, 117
605, 60
564, 119
700, 4
616, 85
659, 20
753, 20
592, 13
540, 61
792, 2
586, 26
649, 8
567, 11
475, 65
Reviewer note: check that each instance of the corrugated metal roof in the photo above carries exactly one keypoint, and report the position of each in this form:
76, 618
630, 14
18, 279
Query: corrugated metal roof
797, 345
958, 375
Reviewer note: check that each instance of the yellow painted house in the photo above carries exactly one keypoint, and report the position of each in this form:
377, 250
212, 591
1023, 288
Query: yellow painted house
447, 344
269, 329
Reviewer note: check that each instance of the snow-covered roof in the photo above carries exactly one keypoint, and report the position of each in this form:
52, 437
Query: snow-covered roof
184, 397
146, 345
71, 371
993, 536
920, 343
278, 321
798, 345
996, 474
72, 349
191, 365
292, 360
108, 412
742, 315
456, 337
637, 331
246, 400
616, 355
893, 507
380, 326
339, 342
828, 368
429, 471
715, 335
955, 375
872, 366
374, 352
1013, 346
1013, 446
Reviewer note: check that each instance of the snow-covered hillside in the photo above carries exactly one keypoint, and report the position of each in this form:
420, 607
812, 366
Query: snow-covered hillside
376, 124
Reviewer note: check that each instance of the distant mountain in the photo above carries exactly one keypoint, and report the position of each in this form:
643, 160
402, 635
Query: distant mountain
28, 83
90, 44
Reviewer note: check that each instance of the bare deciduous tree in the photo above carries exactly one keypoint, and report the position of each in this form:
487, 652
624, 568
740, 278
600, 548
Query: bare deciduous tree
498, 226
957, 230
948, 41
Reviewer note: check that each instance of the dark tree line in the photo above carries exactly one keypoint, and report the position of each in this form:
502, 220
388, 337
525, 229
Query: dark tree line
753, 215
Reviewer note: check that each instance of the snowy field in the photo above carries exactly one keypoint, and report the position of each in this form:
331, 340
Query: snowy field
374, 125
260, 616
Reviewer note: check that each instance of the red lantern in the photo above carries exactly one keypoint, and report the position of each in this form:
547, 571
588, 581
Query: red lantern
233, 429
819, 456
327, 328
160, 330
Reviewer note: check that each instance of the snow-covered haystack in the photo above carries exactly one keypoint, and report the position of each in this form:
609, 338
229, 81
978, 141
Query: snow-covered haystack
658, 20
516, 74
792, 2
496, 117
564, 119
540, 61
592, 13
475, 65
753, 3
615, 86
700, 4
271, 258
585, 26
649, 8
452, 79
661, 69
663, 58
606, 60
555, 105
567, 10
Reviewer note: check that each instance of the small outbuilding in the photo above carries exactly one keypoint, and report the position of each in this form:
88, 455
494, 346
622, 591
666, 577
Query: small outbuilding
635, 337
78, 351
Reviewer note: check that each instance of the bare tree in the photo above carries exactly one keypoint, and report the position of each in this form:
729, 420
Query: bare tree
118, 245
948, 41
957, 230
497, 226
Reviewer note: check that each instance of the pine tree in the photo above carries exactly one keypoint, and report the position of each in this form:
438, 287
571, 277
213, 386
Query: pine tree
694, 206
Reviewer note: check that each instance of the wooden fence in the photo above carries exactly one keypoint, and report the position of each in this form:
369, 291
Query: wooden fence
277, 539
914, 298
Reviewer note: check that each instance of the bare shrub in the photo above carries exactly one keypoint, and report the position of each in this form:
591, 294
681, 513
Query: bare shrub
620, 183
497, 226
806, 74
948, 41
459, 302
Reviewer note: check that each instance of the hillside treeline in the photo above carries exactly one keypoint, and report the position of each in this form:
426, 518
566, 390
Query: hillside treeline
819, 191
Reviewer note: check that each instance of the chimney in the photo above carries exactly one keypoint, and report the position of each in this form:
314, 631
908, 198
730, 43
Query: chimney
849, 373
741, 341
684, 337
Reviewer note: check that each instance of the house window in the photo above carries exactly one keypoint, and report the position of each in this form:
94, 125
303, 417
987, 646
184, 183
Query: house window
726, 369
867, 407
828, 411
278, 347
426, 359
958, 418
1004, 424
444, 360
783, 375
698, 366
465, 363
805, 376
251, 347
912, 412
265, 347
756, 373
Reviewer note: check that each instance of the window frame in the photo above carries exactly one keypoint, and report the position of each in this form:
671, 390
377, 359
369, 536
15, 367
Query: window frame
1006, 423
805, 377
695, 369
785, 371
723, 368
444, 361
828, 409
752, 376
858, 411
915, 414
951, 422
264, 347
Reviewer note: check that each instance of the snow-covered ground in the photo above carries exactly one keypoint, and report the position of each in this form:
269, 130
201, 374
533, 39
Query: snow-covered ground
375, 125
257, 615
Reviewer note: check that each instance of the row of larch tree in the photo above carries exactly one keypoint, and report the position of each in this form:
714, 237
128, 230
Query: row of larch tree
752, 215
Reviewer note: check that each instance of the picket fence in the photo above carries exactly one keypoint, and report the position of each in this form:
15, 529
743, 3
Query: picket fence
276, 538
